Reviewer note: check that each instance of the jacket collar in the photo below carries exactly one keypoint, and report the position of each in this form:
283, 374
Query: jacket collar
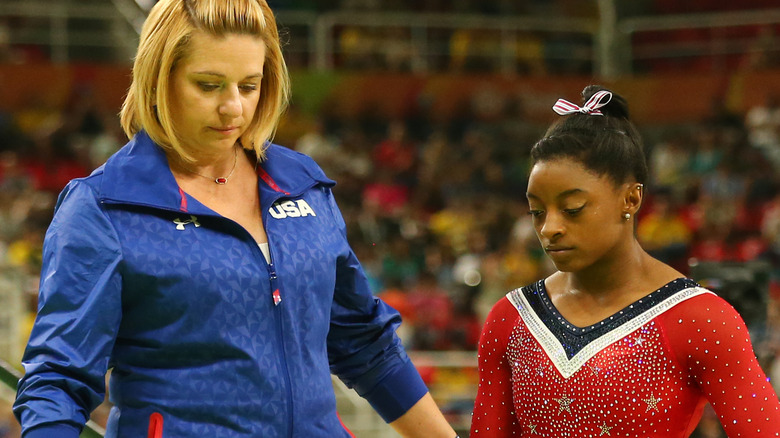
139, 174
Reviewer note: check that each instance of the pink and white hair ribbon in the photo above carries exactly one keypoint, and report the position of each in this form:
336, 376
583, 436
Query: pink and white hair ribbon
564, 107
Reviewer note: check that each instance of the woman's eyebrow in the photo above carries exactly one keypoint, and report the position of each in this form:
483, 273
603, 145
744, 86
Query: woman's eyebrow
561, 195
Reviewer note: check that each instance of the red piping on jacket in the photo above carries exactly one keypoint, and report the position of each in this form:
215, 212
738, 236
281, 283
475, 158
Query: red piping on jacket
270, 181
183, 205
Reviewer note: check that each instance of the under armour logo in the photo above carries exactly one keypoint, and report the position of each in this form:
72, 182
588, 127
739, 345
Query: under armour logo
181, 223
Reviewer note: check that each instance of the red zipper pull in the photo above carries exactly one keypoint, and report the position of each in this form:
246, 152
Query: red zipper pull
277, 297
155, 425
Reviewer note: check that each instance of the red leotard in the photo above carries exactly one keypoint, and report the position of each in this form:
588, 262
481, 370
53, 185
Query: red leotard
646, 371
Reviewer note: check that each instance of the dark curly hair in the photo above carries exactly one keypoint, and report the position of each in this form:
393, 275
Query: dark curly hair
609, 145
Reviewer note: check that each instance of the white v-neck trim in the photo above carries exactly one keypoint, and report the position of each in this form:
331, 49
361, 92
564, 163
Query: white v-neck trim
555, 350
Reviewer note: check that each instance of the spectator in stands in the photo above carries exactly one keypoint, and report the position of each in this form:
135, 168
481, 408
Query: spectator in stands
763, 124
207, 266
432, 309
400, 265
708, 152
770, 230
725, 188
438, 258
762, 53
396, 154
53, 161
385, 202
357, 46
662, 232
466, 325
6, 51
350, 163
454, 221
319, 145
669, 163
398, 50
460, 49
613, 327
712, 242
431, 170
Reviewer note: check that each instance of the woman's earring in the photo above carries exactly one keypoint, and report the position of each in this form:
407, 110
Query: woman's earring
627, 216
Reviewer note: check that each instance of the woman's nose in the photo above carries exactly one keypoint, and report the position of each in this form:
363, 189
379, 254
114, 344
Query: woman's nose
552, 225
231, 104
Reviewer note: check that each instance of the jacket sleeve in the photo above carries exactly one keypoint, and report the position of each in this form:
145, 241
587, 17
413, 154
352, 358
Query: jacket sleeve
79, 310
363, 348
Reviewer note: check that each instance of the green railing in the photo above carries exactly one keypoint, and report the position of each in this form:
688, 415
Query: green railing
10, 377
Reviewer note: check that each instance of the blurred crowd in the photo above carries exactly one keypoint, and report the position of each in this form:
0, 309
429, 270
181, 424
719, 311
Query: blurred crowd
433, 46
504, 7
436, 210
377, 38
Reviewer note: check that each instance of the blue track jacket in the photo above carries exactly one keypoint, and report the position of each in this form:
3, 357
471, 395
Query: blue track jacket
141, 277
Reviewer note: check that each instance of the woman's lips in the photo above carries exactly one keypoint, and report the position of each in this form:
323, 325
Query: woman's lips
225, 129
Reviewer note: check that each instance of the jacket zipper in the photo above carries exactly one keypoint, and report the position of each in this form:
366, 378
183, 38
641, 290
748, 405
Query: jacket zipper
276, 296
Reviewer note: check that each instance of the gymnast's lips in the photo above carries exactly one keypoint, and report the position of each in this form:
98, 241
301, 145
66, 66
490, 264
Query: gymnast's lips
553, 249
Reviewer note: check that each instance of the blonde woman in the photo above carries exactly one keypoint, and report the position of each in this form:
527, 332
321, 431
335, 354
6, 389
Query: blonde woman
208, 267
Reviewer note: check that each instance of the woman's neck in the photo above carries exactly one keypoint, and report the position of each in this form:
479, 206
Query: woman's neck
611, 275
212, 165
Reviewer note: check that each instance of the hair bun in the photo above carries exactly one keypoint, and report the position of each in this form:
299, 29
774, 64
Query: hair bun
617, 106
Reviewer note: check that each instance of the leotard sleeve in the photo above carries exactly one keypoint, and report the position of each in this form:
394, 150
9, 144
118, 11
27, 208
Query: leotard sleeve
494, 415
711, 341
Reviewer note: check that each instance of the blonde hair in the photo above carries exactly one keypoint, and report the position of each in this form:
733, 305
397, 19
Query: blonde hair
164, 42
